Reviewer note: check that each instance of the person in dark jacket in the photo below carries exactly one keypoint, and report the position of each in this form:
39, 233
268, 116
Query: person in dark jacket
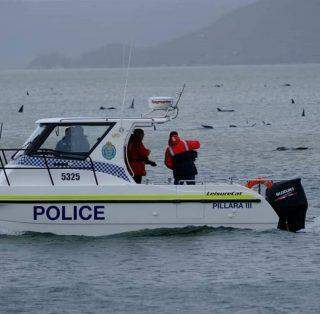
79, 142
180, 156
64, 145
138, 155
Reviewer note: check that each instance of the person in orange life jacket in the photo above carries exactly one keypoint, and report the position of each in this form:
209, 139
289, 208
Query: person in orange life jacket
138, 155
180, 156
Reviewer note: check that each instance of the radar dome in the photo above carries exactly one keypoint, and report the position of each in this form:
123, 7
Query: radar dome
161, 103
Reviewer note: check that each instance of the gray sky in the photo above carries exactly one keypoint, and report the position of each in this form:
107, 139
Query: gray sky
32, 27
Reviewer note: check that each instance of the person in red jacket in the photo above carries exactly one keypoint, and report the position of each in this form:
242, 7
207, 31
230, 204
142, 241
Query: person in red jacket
138, 155
180, 156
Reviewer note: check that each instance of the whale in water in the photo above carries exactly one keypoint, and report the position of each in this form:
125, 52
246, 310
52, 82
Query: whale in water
104, 108
283, 148
225, 110
132, 104
206, 126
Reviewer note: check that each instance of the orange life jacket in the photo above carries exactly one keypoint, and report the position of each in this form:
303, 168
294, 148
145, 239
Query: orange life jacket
179, 156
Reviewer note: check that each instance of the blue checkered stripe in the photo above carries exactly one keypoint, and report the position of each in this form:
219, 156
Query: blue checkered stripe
77, 164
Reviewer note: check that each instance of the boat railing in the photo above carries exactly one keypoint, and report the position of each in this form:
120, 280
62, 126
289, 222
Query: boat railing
45, 155
205, 182
199, 182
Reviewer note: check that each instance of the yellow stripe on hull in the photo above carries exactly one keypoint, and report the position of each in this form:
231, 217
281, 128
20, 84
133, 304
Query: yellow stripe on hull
125, 197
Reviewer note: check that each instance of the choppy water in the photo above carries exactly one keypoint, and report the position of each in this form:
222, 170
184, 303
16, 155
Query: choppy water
189, 271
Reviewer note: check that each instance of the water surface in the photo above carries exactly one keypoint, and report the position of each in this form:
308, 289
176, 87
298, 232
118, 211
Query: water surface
190, 271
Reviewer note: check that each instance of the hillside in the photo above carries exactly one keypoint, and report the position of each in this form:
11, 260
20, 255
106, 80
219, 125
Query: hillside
266, 32
29, 28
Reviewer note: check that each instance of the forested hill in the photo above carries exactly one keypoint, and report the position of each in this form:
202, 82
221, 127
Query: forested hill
266, 32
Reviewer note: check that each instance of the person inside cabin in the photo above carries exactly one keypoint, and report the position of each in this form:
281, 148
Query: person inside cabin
79, 142
180, 156
64, 145
138, 155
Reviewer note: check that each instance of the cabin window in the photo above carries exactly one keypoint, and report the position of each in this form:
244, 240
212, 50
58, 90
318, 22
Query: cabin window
34, 136
68, 140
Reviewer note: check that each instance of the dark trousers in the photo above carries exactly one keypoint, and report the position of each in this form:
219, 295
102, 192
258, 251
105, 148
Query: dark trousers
137, 178
190, 180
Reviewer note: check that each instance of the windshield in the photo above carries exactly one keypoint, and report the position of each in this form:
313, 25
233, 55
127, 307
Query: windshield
68, 141
34, 136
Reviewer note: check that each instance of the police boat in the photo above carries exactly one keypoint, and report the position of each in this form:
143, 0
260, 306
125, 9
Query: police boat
72, 177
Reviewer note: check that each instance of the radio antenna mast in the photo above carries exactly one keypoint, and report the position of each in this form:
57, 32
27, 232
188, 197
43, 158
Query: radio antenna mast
126, 81
1, 128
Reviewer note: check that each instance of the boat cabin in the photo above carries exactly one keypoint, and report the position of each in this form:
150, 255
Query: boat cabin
86, 150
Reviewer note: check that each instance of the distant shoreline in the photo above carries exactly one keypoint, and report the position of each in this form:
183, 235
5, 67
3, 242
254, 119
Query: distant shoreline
161, 67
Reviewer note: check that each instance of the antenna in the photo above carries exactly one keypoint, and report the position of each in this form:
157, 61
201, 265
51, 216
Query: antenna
123, 57
180, 95
126, 82
1, 128
177, 102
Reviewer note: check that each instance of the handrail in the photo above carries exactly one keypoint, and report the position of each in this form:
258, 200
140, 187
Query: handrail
4, 157
41, 151
47, 166
93, 170
5, 167
4, 171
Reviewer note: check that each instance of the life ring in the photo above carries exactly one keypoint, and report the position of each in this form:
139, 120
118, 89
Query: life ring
268, 183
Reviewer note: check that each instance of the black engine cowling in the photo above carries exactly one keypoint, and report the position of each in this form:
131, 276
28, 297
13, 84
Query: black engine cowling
289, 201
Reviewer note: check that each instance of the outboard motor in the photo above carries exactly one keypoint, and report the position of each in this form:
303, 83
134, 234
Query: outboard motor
289, 201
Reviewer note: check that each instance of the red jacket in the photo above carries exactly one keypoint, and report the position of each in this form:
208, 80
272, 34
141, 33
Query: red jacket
179, 146
137, 154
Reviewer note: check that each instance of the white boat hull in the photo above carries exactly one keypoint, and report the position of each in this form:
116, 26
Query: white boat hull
107, 210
